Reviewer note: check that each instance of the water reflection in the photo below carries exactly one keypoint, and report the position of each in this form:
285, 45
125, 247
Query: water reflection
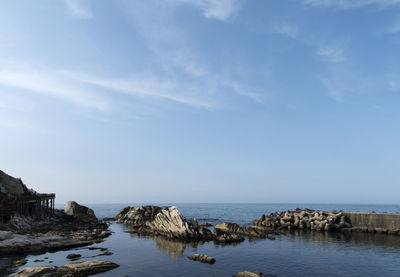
9, 264
347, 239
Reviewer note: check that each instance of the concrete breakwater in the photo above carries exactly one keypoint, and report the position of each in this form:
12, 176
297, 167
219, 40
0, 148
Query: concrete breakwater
380, 222
332, 221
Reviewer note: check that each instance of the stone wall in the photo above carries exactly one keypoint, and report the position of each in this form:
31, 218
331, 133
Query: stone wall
387, 221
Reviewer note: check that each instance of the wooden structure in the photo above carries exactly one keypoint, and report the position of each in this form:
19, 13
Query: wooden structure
30, 203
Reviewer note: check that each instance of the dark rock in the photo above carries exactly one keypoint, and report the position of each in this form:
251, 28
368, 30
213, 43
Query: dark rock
202, 258
73, 256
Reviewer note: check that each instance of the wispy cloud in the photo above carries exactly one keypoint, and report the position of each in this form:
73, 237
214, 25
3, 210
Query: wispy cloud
331, 53
12, 101
342, 83
394, 28
178, 57
216, 9
350, 4
79, 9
52, 84
287, 30
149, 87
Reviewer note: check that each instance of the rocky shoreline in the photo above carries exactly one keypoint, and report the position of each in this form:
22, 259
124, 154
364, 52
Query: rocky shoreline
77, 226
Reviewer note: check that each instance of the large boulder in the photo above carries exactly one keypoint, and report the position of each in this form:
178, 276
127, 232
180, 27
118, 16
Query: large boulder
166, 221
79, 211
72, 269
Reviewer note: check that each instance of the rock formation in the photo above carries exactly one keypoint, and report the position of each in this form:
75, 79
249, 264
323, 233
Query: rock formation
72, 269
167, 222
202, 258
249, 231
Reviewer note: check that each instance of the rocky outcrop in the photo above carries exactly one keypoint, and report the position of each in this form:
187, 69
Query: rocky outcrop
305, 220
249, 231
10, 186
202, 258
167, 221
79, 211
249, 274
72, 269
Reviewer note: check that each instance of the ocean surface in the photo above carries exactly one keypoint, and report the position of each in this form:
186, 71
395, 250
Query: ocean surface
292, 254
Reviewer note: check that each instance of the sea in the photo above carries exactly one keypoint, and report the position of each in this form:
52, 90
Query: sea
290, 254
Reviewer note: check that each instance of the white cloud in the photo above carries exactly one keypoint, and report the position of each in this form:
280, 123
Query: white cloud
79, 9
331, 53
216, 9
349, 4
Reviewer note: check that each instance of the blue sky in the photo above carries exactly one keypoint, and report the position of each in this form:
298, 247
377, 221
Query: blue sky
202, 100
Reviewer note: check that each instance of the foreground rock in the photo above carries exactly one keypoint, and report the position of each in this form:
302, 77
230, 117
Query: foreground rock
225, 228
249, 274
305, 220
202, 258
167, 221
72, 269
23, 244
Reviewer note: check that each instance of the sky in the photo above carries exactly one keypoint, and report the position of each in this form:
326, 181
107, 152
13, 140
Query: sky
290, 101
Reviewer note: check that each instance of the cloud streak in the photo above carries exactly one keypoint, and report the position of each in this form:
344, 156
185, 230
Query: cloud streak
52, 84
331, 53
215, 9
79, 9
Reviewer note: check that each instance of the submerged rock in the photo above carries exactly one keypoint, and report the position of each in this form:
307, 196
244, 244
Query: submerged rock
167, 221
252, 274
73, 256
72, 269
249, 274
202, 258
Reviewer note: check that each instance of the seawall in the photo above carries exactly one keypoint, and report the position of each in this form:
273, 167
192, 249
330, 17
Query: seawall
390, 222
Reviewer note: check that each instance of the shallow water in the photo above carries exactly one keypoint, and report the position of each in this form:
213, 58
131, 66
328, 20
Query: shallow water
293, 254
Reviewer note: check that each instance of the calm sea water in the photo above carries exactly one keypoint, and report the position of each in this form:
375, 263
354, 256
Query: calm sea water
293, 254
